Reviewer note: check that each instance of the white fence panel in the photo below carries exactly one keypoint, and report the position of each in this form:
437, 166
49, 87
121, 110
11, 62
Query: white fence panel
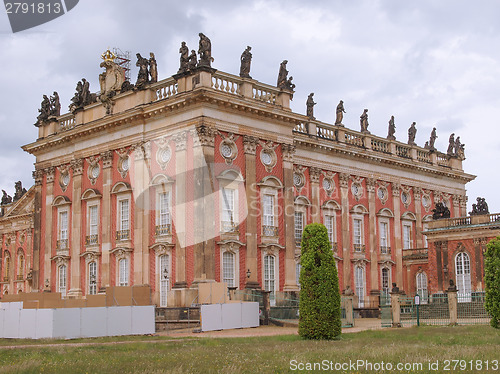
27, 324
143, 320
93, 322
44, 324
250, 314
67, 323
119, 320
231, 316
211, 317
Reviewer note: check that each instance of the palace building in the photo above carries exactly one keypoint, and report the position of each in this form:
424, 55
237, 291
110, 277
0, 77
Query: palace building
207, 176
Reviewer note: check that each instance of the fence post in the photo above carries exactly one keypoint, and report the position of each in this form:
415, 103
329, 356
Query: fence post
349, 312
395, 306
452, 303
267, 306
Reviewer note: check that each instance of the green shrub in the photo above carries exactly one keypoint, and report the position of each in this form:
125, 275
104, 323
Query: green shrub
319, 305
492, 281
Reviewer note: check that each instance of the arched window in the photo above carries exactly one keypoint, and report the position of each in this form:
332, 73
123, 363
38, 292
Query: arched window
422, 287
61, 278
164, 279
92, 278
462, 271
6, 275
359, 280
123, 272
20, 266
228, 268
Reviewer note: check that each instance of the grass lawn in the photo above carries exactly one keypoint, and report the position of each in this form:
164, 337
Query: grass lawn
265, 354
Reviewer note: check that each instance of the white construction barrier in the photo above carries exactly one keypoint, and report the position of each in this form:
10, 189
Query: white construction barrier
229, 316
70, 323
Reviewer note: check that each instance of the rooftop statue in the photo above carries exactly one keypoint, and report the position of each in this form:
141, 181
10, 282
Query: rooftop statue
310, 106
205, 51
246, 60
340, 113
20, 191
192, 60
82, 96
55, 105
282, 75
412, 132
6, 199
44, 111
153, 68
440, 211
480, 208
363, 120
184, 59
451, 145
432, 139
143, 74
392, 129
459, 149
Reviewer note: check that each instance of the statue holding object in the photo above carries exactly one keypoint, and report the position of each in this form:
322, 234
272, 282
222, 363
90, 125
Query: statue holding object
432, 140
363, 120
451, 145
143, 74
392, 129
153, 68
310, 106
246, 60
412, 132
340, 113
205, 51
184, 59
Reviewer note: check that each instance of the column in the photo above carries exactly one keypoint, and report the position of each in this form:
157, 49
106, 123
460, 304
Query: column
289, 209
417, 195
146, 211
49, 197
346, 238
463, 205
37, 281
76, 228
180, 212
142, 154
107, 162
372, 218
249, 148
456, 205
315, 209
396, 191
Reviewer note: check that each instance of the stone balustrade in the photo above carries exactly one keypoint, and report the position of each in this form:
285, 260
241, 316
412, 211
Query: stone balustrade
165, 89
67, 122
226, 83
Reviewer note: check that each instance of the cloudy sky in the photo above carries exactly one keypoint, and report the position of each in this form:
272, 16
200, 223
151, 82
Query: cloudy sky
433, 62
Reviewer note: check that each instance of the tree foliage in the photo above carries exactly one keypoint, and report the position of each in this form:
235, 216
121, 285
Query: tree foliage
492, 281
319, 305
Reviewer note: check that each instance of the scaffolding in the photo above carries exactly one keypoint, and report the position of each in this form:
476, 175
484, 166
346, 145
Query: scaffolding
123, 59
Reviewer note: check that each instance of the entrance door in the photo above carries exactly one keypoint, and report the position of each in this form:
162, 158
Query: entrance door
164, 280
462, 271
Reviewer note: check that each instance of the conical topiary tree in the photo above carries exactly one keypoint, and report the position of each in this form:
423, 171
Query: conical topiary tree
319, 306
492, 281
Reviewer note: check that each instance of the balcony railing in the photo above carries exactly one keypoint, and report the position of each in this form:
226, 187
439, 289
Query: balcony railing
92, 239
269, 231
385, 250
62, 244
228, 227
360, 248
162, 230
123, 235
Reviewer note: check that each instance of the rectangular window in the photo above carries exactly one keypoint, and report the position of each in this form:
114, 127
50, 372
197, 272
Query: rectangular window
407, 243
164, 209
123, 272
330, 228
357, 231
63, 225
268, 215
92, 278
298, 267
360, 285
228, 210
93, 220
384, 237
123, 207
269, 277
299, 227
228, 268
62, 280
